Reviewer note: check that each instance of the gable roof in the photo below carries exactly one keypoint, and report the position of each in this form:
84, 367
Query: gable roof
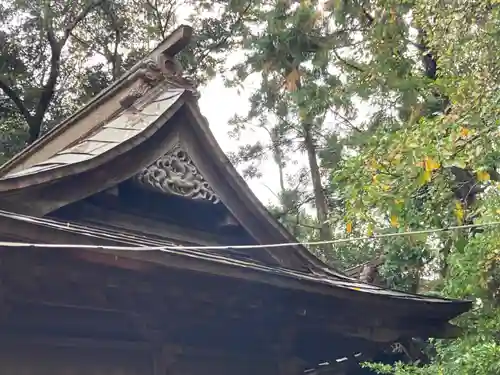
172, 45
127, 128
108, 135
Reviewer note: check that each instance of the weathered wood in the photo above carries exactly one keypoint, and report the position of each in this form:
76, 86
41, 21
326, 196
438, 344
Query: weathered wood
100, 107
108, 212
65, 189
164, 359
31, 359
158, 296
291, 366
287, 363
152, 347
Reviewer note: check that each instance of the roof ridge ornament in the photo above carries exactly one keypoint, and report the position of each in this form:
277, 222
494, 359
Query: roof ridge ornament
175, 173
152, 72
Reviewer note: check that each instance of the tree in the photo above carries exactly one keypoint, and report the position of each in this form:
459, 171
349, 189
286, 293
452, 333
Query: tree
291, 53
33, 50
430, 160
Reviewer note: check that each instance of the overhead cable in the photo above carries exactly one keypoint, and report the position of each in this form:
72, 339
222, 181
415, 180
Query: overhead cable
253, 246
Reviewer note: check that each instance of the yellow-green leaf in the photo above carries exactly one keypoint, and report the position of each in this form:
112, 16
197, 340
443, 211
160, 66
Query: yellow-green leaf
483, 176
424, 177
459, 212
303, 113
348, 227
394, 221
430, 164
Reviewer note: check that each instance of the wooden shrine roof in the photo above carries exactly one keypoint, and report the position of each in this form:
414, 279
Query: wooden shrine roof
54, 182
124, 130
122, 133
111, 136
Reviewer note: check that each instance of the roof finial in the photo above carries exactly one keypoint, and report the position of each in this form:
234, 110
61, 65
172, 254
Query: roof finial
161, 66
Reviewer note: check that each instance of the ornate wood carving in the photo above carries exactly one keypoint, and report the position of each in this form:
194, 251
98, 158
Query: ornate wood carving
175, 173
153, 71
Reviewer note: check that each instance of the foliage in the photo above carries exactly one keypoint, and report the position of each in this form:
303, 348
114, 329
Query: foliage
430, 160
290, 53
426, 157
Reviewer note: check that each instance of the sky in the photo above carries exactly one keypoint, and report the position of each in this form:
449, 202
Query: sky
219, 103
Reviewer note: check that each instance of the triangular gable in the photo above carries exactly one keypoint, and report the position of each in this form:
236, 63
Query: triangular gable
147, 120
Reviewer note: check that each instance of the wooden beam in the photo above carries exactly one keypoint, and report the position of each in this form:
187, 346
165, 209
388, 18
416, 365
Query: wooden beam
225, 269
112, 217
175, 42
72, 342
4, 302
287, 362
91, 288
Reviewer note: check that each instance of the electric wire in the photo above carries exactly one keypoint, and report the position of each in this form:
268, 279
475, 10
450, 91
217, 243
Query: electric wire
253, 246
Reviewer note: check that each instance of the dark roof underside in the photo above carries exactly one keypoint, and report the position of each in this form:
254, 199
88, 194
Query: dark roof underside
110, 240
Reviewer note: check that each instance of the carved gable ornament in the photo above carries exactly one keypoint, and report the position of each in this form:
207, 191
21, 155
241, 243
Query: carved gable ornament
175, 173
152, 72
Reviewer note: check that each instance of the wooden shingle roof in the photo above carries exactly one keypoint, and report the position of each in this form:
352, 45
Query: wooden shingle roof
126, 129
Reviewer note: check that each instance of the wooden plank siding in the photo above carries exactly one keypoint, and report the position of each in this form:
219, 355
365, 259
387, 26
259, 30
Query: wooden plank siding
27, 359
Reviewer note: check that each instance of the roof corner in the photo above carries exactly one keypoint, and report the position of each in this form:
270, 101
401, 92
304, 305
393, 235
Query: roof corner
157, 61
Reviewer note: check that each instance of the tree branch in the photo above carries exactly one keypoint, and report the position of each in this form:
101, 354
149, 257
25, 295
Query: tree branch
35, 121
116, 61
79, 18
158, 18
347, 63
12, 95
348, 122
306, 225
225, 38
368, 17
88, 45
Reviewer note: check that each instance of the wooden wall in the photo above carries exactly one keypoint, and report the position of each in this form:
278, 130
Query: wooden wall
50, 359
28, 359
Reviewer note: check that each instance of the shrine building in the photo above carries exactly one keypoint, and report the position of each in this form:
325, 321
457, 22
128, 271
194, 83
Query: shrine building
120, 231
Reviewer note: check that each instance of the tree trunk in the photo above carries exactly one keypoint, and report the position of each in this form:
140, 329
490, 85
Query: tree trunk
278, 158
279, 162
319, 195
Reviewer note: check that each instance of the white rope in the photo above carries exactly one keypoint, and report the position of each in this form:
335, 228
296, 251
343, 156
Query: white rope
259, 246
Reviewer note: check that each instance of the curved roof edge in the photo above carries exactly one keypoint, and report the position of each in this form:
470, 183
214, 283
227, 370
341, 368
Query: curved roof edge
279, 232
31, 190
